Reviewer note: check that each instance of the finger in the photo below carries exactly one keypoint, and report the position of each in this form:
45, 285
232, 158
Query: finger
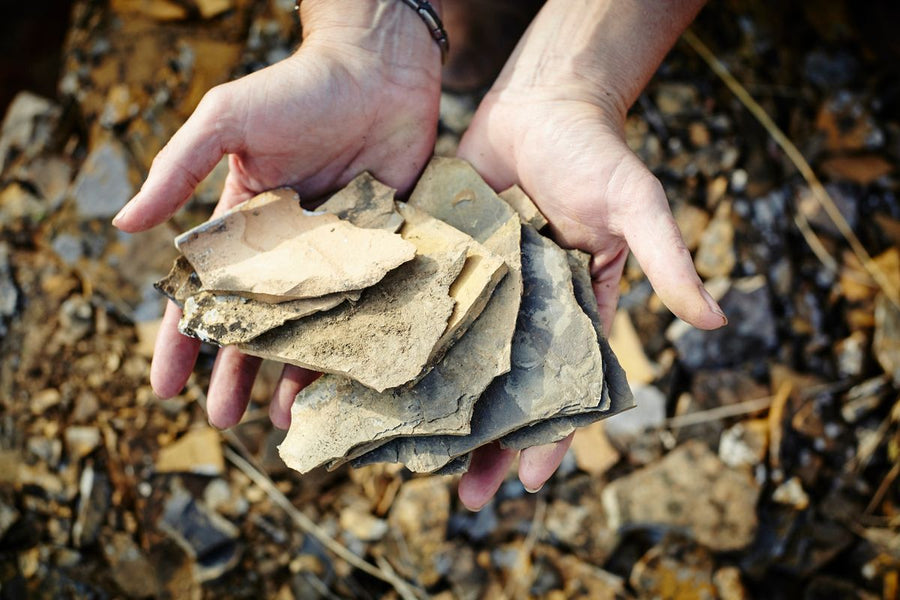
233, 191
538, 463
293, 379
174, 355
229, 386
653, 236
605, 277
489, 466
188, 157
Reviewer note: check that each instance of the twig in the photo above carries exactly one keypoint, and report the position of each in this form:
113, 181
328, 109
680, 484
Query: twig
720, 412
306, 524
534, 532
886, 484
815, 244
793, 153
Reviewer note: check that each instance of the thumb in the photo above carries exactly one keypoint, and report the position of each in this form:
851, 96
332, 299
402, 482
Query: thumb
653, 236
188, 157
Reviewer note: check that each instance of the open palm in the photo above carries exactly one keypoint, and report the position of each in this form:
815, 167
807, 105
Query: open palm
311, 122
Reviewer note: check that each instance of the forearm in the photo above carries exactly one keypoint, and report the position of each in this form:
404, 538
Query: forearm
597, 50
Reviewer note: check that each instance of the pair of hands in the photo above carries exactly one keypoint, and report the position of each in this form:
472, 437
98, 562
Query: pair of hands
362, 93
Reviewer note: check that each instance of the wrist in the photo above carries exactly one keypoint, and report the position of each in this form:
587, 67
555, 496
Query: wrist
387, 30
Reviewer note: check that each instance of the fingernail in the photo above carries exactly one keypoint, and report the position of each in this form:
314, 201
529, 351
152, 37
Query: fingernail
533, 490
713, 305
121, 214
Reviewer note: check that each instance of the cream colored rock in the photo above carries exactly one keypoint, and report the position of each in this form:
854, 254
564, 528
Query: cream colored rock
382, 341
270, 249
480, 274
225, 319
524, 206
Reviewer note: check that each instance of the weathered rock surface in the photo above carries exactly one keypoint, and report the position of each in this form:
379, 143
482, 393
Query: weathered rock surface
557, 366
480, 274
440, 403
226, 319
367, 203
384, 340
524, 206
103, 185
270, 249
690, 490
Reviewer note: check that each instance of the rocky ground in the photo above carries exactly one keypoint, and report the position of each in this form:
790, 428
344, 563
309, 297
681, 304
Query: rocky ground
762, 459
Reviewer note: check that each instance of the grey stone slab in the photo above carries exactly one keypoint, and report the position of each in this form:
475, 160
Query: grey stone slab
617, 395
103, 186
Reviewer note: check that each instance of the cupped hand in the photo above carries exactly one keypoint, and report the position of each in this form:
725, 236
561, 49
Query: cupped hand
361, 93
567, 151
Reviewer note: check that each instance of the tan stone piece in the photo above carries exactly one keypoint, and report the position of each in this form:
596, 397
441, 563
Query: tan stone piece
270, 249
225, 319
382, 341
480, 274
689, 490
199, 451
524, 206
366, 202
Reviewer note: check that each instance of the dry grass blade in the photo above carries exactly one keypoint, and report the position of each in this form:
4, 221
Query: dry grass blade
517, 575
403, 588
720, 412
882, 490
796, 157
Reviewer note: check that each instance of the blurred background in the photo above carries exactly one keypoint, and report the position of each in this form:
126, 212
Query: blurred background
762, 459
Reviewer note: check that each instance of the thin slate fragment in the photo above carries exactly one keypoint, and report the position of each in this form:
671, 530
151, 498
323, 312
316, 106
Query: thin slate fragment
226, 319
472, 289
617, 396
556, 366
180, 283
270, 249
367, 203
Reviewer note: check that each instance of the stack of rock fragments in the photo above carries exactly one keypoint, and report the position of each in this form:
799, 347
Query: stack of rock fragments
440, 324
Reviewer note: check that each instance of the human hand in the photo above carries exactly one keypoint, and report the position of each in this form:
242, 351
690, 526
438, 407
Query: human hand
361, 93
553, 123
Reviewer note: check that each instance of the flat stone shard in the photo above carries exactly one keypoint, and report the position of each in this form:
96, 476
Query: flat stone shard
617, 395
366, 202
480, 274
527, 210
557, 367
270, 249
226, 319
180, 283
451, 190
689, 490
385, 339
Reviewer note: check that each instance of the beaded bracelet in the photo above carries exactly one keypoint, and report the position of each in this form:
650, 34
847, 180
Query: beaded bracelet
433, 21
427, 13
